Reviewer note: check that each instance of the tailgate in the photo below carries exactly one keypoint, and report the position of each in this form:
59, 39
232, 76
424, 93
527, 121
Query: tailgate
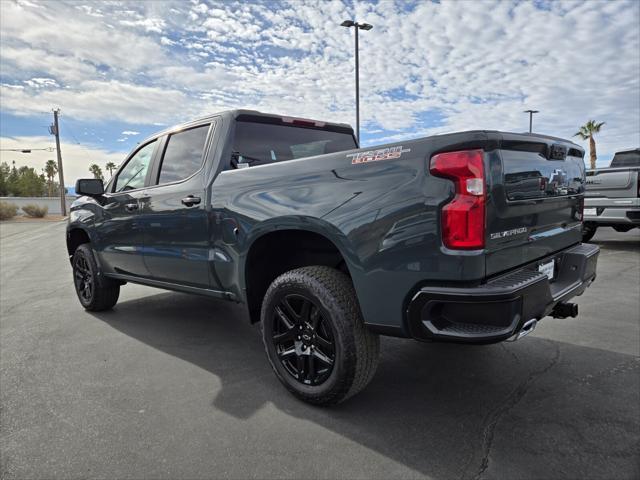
536, 187
611, 183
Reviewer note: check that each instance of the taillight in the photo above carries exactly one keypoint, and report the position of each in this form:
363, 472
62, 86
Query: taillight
463, 218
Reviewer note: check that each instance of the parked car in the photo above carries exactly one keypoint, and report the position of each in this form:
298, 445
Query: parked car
468, 237
612, 197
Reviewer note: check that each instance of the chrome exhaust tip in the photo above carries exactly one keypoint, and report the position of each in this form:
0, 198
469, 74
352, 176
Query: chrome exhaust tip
526, 329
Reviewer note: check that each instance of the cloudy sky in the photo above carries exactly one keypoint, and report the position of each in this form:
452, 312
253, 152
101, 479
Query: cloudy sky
119, 71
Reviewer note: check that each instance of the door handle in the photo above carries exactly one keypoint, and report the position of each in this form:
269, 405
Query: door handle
130, 207
190, 200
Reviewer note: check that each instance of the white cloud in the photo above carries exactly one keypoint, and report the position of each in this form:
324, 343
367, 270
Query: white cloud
470, 64
130, 133
41, 83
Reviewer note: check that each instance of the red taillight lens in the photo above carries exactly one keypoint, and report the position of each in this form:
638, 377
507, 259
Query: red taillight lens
463, 218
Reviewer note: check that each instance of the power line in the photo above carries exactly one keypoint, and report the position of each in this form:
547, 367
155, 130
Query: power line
70, 131
28, 150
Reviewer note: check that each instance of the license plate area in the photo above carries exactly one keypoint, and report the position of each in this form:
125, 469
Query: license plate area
590, 211
548, 268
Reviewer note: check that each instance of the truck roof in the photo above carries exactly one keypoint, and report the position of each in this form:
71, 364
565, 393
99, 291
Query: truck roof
235, 113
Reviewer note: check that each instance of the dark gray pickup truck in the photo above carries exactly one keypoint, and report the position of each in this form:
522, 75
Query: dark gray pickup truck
468, 237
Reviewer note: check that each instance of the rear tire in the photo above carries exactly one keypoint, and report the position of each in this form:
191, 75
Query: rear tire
315, 337
588, 231
95, 292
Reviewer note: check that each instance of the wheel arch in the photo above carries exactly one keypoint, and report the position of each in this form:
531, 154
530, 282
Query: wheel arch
76, 236
282, 245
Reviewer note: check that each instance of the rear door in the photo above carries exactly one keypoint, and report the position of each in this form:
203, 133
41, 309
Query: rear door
175, 215
536, 188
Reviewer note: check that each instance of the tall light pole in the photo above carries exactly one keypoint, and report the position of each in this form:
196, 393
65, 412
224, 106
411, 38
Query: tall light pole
358, 26
531, 112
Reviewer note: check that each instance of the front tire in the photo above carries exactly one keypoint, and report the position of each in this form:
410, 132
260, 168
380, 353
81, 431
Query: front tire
315, 337
588, 231
95, 292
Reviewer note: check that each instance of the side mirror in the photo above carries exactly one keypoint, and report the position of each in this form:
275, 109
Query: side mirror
91, 187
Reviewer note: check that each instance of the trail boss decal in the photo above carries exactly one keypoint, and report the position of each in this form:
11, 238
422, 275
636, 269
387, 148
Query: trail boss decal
390, 153
508, 233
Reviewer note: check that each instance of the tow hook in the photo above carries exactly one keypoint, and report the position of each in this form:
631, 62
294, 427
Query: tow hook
564, 310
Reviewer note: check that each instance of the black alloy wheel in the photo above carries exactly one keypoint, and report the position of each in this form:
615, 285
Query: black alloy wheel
83, 278
303, 339
95, 291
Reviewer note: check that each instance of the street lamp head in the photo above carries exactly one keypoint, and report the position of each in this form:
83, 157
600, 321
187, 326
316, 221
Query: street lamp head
365, 26
348, 23
532, 111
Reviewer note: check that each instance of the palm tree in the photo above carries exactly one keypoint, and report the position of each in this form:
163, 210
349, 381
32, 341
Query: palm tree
50, 170
587, 131
96, 170
111, 167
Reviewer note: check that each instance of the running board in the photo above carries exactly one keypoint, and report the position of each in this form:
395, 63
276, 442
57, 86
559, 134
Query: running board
173, 286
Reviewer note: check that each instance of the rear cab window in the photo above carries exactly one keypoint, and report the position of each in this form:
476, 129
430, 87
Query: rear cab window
259, 142
629, 158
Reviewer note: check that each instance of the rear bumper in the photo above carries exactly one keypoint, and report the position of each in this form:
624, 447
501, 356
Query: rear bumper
612, 211
498, 309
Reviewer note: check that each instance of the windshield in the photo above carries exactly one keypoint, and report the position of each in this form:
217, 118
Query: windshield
263, 143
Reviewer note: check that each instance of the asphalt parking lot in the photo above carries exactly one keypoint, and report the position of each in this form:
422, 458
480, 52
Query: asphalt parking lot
172, 386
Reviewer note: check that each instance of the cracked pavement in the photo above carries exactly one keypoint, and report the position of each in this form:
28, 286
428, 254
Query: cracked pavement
173, 386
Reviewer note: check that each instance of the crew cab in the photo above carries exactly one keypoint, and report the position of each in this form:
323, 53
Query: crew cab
612, 197
468, 237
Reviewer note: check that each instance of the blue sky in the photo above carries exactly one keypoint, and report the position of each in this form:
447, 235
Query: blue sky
120, 71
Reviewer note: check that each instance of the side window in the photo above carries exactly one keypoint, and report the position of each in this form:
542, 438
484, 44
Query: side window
183, 154
135, 171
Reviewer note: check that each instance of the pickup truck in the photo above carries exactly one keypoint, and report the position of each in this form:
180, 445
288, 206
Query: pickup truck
467, 237
612, 197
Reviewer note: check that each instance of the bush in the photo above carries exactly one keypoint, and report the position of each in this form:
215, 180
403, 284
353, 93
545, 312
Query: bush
7, 210
35, 211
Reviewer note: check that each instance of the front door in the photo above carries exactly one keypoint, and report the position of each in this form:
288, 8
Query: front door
120, 245
175, 217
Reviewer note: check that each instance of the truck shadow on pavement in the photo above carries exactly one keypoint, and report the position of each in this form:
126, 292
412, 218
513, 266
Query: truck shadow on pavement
530, 408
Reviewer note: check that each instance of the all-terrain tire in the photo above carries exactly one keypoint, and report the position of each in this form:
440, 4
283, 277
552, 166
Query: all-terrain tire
95, 292
588, 231
356, 349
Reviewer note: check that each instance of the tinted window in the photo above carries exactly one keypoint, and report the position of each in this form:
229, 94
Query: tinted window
135, 171
261, 143
183, 154
626, 159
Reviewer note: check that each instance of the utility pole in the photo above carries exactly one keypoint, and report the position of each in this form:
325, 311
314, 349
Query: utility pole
55, 130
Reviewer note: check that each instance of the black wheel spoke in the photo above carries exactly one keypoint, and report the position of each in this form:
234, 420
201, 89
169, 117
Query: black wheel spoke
305, 311
291, 313
311, 373
288, 321
324, 344
314, 318
285, 337
322, 357
288, 352
300, 366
